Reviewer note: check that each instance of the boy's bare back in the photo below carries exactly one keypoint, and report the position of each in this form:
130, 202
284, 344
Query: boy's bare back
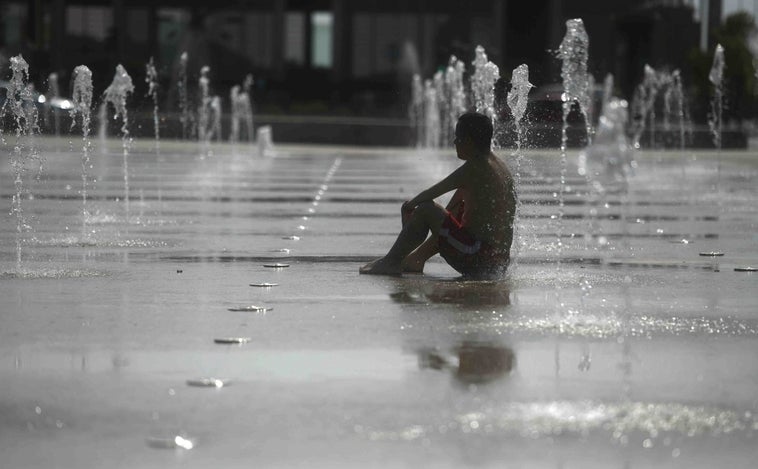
489, 200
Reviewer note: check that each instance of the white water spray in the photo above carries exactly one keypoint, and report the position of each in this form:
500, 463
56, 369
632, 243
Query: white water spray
215, 121
456, 92
574, 55
236, 117
204, 106
19, 105
246, 102
53, 93
431, 116
82, 107
151, 78
517, 99
182, 86
716, 77
483, 81
416, 110
116, 95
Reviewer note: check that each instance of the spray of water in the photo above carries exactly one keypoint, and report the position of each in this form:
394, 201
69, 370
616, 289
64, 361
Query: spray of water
676, 106
82, 107
431, 116
116, 95
416, 110
182, 85
216, 112
443, 107
53, 92
574, 54
456, 92
608, 83
483, 81
643, 105
518, 100
716, 77
204, 106
246, 103
20, 107
234, 100
151, 78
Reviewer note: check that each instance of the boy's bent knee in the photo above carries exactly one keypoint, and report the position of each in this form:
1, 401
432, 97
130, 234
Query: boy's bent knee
428, 207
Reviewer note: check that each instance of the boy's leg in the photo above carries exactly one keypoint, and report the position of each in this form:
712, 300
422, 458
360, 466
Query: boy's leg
427, 216
414, 262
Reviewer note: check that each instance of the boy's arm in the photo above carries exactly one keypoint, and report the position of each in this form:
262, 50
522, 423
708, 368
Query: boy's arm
455, 201
453, 181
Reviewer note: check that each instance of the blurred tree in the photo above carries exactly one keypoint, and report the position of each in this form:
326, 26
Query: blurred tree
736, 34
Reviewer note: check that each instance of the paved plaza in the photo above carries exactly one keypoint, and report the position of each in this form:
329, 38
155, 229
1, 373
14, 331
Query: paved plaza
614, 341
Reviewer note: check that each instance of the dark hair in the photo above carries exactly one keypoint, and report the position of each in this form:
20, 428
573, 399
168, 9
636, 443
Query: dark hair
478, 128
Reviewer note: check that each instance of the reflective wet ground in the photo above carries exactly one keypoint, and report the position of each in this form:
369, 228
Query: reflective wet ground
612, 343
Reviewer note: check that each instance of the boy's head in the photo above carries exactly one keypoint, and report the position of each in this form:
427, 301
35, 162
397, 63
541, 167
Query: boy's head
473, 134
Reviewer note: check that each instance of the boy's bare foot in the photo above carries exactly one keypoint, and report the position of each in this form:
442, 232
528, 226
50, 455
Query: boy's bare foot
412, 266
381, 266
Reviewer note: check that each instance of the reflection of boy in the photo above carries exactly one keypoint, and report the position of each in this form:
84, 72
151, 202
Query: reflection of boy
474, 233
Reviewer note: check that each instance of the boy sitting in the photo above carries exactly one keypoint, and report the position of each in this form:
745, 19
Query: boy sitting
474, 233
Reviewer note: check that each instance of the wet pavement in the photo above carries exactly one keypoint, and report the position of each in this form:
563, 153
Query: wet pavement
226, 309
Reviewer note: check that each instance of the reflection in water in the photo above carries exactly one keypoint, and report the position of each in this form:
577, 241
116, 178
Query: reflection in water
425, 290
474, 363
471, 361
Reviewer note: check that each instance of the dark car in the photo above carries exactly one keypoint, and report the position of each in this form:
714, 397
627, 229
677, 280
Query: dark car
544, 115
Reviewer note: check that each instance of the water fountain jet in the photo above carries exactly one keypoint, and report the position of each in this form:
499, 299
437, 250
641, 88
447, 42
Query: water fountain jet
116, 95
82, 107
517, 102
182, 85
431, 116
246, 100
204, 107
483, 81
53, 91
574, 54
716, 77
416, 110
151, 78
456, 90
20, 106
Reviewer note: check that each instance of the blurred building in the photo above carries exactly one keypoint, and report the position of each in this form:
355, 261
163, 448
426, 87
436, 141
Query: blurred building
344, 56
